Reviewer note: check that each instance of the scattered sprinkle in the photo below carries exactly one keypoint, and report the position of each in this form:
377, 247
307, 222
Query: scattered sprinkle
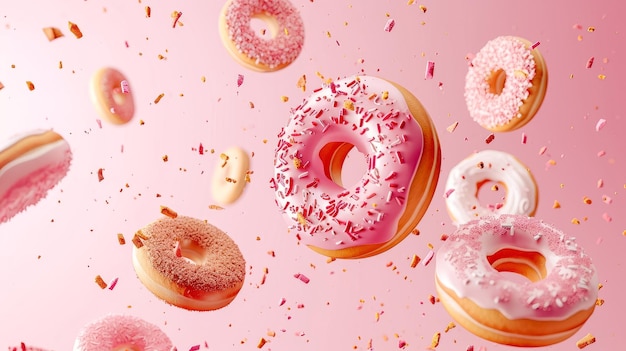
113, 284
302, 278
100, 175
428, 258
606, 217
590, 62
524, 138
535, 45
148, 11
261, 343
389, 25
415, 260
168, 212
158, 98
239, 80
601, 123
490, 138
30, 85
301, 83
176, 15
101, 283
75, 30
556, 204
284, 98
435, 341
450, 325
586, 341
52, 33
120, 239
452, 127
601, 76
430, 70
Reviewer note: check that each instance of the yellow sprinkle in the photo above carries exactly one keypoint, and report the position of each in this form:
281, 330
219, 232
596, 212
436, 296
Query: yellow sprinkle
415, 260
385, 95
328, 34
286, 31
297, 162
377, 317
587, 200
435, 341
348, 105
575, 221
423, 8
450, 326
301, 219
601, 76
599, 302
284, 98
410, 2
591, 29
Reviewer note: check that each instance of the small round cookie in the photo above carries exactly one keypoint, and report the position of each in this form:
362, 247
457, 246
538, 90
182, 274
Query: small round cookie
188, 263
505, 84
253, 51
230, 175
466, 178
30, 165
111, 93
122, 333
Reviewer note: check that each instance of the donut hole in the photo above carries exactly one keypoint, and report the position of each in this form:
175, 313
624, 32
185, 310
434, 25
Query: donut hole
264, 24
496, 81
343, 163
530, 265
491, 194
192, 252
118, 96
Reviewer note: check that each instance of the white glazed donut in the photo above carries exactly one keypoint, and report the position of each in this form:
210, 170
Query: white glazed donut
465, 179
478, 280
388, 125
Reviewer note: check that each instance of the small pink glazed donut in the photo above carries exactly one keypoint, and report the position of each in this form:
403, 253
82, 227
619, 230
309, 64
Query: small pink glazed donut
111, 93
388, 125
479, 280
505, 84
122, 333
30, 165
248, 48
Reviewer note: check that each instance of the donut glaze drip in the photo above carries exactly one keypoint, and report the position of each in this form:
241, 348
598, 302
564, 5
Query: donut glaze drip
569, 286
515, 59
286, 43
370, 114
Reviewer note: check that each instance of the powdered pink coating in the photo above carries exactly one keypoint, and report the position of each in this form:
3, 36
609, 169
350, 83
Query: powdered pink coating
327, 215
510, 55
112, 331
281, 49
27, 185
569, 287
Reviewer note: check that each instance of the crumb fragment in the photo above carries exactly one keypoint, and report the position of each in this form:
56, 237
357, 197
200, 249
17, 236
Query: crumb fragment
101, 283
556, 204
165, 158
75, 30
415, 260
52, 33
261, 343
100, 175
120, 239
435, 340
215, 207
452, 127
302, 83
586, 341
168, 212
30, 85
137, 241
158, 98
450, 325
1, 86
148, 11
176, 16
284, 98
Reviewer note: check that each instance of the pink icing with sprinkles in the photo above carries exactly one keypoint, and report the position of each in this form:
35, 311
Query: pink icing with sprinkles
571, 280
113, 331
286, 44
515, 59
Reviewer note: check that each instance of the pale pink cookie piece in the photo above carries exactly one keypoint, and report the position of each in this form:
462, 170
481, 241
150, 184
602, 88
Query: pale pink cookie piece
252, 50
112, 95
230, 175
30, 165
505, 84
122, 332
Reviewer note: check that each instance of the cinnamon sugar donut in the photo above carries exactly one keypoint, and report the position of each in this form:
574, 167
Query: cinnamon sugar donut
479, 279
189, 263
505, 84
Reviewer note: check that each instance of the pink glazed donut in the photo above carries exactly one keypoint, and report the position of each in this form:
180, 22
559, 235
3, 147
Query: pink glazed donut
479, 280
389, 126
122, 333
505, 84
253, 51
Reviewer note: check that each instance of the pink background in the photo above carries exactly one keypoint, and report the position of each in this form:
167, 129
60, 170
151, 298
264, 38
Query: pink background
50, 254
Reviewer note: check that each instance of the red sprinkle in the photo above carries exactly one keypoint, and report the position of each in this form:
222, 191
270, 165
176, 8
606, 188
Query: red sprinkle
239, 80
302, 278
430, 70
389, 25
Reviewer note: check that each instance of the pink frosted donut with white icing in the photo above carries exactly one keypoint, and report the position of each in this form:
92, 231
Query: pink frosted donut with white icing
505, 84
466, 178
480, 272
386, 124
249, 48
122, 332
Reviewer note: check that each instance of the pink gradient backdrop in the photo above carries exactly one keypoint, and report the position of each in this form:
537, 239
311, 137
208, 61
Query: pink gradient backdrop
50, 254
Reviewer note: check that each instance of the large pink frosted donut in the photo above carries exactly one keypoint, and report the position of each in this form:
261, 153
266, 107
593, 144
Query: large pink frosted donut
121, 333
478, 280
388, 125
250, 49
505, 84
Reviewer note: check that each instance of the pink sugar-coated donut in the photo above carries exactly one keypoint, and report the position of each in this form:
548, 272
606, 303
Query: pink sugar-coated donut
505, 84
112, 95
30, 165
479, 280
388, 125
189, 263
122, 333
253, 51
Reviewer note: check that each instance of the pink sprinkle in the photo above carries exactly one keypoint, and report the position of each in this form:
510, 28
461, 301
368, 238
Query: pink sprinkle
125, 87
126, 43
577, 26
201, 149
601, 123
195, 348
470, 348
401, 344
302, 278
600, 183
122, 148
543, 150
428, 258
535, 45
449, 192
524, 138
590, 62
389, 25
606, 199
239, 80
282, 301
606, 217
99, 122
601, 153
430, 70
174, 26
113, 284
